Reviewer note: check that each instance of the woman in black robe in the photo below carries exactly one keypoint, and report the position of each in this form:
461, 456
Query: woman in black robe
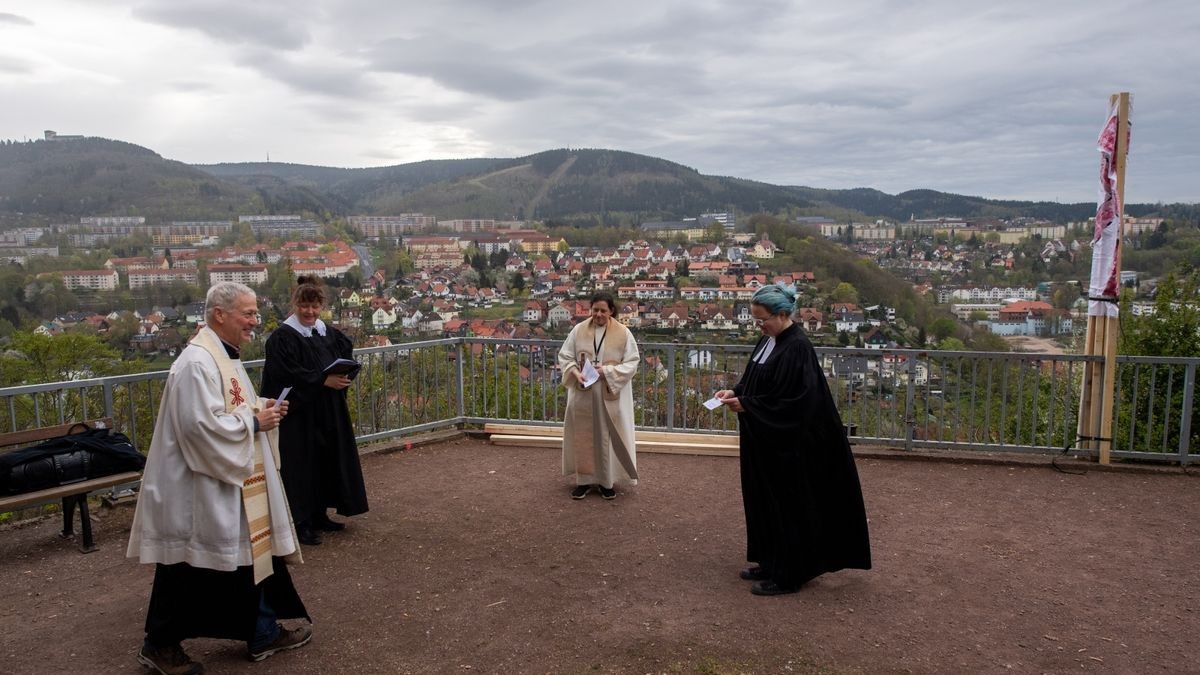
320, 463
804, 505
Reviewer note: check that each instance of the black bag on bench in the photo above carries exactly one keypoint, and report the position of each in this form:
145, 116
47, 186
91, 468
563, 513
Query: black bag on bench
68, 459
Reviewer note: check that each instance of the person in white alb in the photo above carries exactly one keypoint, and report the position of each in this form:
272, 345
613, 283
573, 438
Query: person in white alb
212, 515
598, 440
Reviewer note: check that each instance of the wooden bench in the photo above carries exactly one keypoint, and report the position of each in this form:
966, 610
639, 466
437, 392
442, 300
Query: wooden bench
671, 442
72, 495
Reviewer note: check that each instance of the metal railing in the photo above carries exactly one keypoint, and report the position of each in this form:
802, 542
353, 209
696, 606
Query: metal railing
1013, 402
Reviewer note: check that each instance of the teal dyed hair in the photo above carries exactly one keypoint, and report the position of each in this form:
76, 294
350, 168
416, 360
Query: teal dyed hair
776, 298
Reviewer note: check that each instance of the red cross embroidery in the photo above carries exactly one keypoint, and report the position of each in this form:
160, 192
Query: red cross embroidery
236, 392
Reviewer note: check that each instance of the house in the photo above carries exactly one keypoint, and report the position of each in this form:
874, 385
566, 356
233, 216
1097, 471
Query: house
810, 319
411, 319
742, 314
193, 312
628, 313
383, 317
534, 311
715, 317
675, 316
763, 248
559, 314
848, 322
875, 339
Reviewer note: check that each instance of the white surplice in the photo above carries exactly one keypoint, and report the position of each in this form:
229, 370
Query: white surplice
190, 505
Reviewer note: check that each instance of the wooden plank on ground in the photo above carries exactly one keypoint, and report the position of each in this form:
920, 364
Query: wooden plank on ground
642, 436
668, 446
523, 429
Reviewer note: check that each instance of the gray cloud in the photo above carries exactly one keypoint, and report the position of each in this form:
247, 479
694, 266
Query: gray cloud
233, 22
15, 19
307, 74
14, 66
461, 66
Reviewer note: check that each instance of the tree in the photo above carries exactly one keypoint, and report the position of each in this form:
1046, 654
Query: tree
35, 358
715, 232
943, 328
1174, 327
844, 292
952, 344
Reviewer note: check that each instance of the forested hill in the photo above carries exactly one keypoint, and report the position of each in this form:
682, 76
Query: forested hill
56, 181
62, 180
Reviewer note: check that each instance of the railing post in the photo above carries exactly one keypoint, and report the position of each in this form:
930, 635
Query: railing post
1185, 419
108, 401
909, 403
671, 386
462, 403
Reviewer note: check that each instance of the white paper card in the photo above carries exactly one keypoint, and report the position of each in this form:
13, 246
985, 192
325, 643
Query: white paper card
282, 395
713, 403
590, 375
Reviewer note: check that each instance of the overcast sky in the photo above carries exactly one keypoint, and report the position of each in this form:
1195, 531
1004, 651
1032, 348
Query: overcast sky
996, 99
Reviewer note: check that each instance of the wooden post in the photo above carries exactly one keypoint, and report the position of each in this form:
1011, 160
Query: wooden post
1113, 322
1099, 379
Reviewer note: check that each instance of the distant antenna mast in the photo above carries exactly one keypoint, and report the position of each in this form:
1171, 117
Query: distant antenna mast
268, 155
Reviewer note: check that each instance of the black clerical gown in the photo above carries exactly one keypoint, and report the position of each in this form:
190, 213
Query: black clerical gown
318, 453
804, 505
190, 602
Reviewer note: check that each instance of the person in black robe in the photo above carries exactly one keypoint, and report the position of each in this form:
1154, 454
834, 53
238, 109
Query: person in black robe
321, 468
804, 506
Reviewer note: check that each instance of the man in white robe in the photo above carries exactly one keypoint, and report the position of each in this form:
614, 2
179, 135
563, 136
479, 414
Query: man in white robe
599, 447
212, 514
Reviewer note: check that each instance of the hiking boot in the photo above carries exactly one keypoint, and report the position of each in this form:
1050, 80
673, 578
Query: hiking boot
580, 491
608, 493
169, 661
288, 639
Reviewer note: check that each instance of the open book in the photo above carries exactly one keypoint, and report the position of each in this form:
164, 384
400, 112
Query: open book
347, 367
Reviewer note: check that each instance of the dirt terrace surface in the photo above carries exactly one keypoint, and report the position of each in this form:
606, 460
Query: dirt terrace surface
473, 559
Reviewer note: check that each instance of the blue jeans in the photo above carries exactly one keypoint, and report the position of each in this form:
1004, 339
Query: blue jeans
266, 627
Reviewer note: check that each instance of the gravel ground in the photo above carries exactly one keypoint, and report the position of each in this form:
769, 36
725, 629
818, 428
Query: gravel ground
473, 559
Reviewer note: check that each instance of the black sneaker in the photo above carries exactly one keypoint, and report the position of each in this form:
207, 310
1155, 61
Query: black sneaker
608, 493
169, 661
288, 639
580, 491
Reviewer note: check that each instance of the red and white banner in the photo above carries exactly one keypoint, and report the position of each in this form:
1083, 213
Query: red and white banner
1106, 241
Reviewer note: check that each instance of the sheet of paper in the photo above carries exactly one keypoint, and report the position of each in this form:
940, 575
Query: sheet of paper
590, 374
282, 395
713, 403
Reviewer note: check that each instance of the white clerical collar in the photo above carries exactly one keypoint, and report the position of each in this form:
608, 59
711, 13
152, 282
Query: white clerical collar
765, 353
305, 330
